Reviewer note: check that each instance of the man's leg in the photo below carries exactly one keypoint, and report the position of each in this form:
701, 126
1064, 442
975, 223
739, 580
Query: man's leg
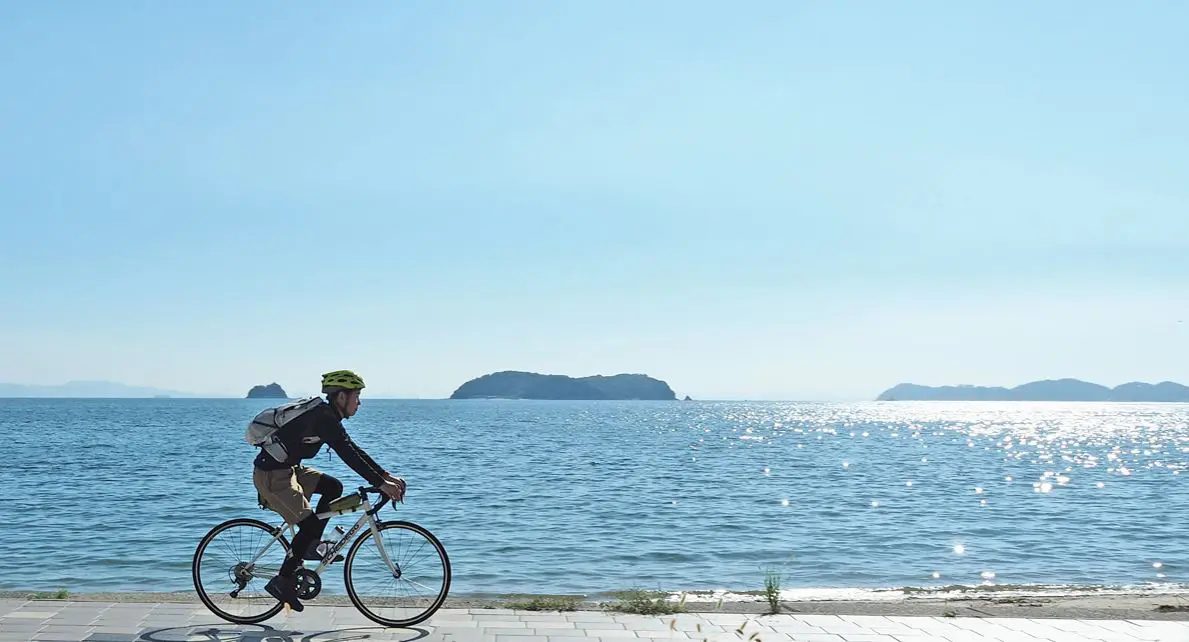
309, 533
280, 488
329, 489
315, 481
306, 480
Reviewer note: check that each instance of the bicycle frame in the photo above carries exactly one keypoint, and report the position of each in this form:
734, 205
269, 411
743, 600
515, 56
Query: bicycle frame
367, 516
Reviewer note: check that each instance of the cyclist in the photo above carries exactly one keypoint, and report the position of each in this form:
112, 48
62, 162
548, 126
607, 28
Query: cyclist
286, 486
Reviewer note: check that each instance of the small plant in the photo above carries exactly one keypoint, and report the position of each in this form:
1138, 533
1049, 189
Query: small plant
61, 594
772, 579
949, 613
646, 603
755, 635
548, 603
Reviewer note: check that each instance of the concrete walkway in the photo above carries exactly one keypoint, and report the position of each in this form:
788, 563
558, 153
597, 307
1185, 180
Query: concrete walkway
23, 620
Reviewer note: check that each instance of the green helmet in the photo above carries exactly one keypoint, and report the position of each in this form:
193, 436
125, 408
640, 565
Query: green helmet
341, 380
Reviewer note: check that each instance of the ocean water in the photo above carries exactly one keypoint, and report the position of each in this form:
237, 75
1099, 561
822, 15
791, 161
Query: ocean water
589, 497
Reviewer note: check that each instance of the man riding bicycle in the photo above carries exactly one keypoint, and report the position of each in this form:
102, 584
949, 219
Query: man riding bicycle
286, 486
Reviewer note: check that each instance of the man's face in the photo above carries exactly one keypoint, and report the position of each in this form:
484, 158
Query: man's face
350, 402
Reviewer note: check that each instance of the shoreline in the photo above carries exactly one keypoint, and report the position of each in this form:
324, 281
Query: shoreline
1114, 605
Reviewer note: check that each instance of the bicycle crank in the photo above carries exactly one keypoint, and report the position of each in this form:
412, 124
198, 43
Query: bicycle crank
309, 584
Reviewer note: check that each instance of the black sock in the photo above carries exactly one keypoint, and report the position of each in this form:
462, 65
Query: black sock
309, 530
328, 489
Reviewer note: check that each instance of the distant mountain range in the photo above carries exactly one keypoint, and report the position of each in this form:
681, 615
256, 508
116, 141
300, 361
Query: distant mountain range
1047, 390
107, 389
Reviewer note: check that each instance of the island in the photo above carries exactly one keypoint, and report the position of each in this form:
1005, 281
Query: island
1047, 390
530, 385
271, 391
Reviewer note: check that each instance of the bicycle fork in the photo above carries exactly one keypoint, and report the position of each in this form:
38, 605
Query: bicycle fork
392, 568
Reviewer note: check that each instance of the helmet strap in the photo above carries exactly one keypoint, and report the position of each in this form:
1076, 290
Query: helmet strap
334, 402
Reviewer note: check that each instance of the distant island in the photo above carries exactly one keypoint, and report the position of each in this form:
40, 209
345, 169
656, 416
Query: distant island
530, 385
1047, 390
271, 391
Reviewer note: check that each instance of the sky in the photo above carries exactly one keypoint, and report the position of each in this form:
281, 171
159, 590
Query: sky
778, 200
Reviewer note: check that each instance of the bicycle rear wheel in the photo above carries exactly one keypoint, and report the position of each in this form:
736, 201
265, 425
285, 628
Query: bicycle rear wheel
227, 579
409, 590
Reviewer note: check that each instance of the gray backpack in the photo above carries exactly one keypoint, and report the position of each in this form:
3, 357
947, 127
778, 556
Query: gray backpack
262, 430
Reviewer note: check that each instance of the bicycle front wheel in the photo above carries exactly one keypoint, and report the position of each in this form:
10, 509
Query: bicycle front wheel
400, 578
231, 566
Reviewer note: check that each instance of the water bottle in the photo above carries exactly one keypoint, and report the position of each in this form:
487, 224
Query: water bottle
325, 545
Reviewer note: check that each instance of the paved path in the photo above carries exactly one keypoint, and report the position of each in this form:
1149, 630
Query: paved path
22, 621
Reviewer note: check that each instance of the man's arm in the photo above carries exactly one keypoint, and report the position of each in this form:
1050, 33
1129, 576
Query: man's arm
336, 437
371, 462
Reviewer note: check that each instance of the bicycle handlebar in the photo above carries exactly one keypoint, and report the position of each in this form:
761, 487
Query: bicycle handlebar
384, 499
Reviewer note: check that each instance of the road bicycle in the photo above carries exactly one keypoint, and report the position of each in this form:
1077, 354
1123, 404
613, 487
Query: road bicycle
399, 580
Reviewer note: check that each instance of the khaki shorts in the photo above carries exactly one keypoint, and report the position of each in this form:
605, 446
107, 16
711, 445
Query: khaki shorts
287, 491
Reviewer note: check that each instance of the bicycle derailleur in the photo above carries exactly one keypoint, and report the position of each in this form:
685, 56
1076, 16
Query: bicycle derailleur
241, 574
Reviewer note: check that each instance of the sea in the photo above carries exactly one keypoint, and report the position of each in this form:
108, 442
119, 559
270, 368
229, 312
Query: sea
592, 497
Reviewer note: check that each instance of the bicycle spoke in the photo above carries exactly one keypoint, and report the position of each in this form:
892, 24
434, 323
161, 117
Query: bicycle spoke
429, 590
419, 549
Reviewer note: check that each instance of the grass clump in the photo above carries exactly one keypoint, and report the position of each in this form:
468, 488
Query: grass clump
644, 602
547, 603
772, 579
61, 594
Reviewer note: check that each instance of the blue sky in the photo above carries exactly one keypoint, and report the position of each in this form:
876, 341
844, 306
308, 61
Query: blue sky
767, 200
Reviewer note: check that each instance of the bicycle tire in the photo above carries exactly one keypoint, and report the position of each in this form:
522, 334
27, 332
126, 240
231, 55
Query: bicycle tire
196, 571
424, 613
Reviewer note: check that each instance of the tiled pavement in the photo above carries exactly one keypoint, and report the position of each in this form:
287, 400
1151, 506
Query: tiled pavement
22, 621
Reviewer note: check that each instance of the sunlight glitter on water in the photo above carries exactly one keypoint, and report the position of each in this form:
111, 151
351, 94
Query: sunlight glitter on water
615, 459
